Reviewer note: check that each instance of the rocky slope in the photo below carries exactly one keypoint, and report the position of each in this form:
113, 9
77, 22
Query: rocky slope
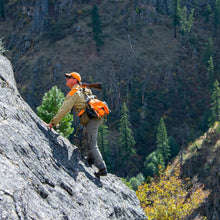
201, 163
43, 176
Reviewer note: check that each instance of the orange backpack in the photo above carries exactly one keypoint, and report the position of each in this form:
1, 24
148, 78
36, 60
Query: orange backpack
94, 107
97, 108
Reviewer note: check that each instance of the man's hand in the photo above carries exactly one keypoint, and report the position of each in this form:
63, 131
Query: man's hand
49, 125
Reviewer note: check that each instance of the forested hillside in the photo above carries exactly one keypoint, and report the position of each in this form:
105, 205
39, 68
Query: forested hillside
157, 61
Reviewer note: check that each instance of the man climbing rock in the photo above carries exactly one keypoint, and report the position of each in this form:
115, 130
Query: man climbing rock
76, 99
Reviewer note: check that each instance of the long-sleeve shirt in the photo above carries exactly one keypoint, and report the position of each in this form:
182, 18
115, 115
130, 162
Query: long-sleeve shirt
74, 99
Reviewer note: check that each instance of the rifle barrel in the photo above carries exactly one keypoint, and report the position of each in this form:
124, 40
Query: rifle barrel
93, 85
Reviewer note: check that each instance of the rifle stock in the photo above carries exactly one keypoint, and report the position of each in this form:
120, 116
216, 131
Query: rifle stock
92, 85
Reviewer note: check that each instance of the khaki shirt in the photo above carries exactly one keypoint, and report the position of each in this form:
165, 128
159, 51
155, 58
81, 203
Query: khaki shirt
74, 99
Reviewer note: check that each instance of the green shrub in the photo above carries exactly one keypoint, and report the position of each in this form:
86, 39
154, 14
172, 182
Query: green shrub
134, 182
51, 103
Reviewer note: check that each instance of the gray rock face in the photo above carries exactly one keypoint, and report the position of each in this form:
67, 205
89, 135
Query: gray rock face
43, 176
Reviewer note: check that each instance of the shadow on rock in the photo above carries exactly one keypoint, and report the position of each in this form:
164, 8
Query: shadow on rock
67, 156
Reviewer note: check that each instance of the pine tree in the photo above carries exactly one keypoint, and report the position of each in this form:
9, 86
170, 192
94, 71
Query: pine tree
215, 104
174, 148
162, 141
210, 70
160, 156
208, 51
186, 21
152, 163
216, 17
96, 27
208, 13
126, 140
103, 144
51, 103
176, 15
103, 137
2, 10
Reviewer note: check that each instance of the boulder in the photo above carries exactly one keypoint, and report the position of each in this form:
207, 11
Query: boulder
43, 176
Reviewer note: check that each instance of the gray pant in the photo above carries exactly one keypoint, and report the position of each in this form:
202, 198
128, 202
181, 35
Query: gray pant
92, 147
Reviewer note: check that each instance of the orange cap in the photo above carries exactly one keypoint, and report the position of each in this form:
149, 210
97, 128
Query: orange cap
74, 75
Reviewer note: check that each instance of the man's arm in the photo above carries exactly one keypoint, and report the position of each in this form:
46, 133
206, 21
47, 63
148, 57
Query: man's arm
68, 104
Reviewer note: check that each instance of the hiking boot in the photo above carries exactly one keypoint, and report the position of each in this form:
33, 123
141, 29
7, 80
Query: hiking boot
101, 172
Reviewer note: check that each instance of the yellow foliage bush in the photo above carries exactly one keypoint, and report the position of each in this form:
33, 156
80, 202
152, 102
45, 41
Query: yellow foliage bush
169, 197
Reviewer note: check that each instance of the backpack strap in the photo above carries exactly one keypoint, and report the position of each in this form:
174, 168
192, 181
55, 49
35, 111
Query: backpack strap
73, 91
81, 112
88, 97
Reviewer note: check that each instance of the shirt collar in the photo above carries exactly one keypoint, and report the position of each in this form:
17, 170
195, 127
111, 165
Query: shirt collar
75, 86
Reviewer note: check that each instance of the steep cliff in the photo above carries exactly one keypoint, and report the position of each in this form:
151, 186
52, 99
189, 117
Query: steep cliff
43, 176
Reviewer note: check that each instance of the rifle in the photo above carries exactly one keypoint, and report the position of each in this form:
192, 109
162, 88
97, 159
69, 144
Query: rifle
92, 85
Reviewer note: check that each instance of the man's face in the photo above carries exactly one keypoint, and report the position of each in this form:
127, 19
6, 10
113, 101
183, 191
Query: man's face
70, 82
